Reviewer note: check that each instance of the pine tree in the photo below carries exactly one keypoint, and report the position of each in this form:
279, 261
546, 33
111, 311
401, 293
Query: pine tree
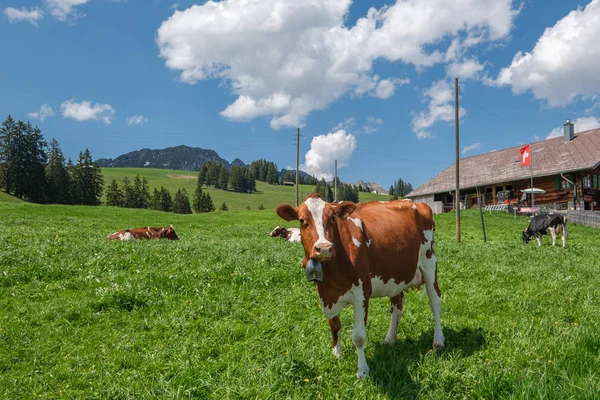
207, 203
154, 200
223, 207
181, 202
114, 195
197, 202
129, 196
57, 177
166, 202
23, 160
202, 174
87, 180
223, 178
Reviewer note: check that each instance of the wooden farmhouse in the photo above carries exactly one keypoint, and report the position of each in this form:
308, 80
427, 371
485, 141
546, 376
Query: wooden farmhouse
567, 168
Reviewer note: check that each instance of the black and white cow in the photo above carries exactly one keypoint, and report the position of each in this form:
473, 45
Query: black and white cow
542, 224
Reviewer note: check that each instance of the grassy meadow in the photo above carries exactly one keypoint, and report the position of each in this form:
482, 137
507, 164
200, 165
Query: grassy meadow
226, 313
270, 196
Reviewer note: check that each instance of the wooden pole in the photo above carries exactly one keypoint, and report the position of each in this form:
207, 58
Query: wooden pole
457, 196
531, 172
297, 164
335, 183
481, 216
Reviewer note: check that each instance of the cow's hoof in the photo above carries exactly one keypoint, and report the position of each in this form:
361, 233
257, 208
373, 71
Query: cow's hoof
362, 374
337, 353
438, 346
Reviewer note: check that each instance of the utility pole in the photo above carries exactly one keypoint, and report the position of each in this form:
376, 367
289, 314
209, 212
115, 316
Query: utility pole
335, 183
297, 164
457, 196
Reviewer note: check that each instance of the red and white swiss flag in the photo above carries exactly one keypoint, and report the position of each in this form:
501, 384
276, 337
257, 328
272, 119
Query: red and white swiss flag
525, 156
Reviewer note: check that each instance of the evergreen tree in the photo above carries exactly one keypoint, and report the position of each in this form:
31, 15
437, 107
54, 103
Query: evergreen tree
181, 202
87, 180
202, 174
207, 203
129, 196
57, 177
223, 180
212, 177
114, 195
224, 207
166, 202
145, 193
23, 160
138, 200
197, 202
329, 197
155, 200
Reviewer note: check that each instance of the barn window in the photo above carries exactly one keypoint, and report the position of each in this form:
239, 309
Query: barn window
586, 182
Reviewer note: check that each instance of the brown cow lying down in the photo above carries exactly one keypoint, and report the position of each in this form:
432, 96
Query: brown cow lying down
148, 232
291, 234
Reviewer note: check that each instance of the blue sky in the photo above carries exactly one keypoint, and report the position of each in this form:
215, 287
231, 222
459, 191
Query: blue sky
369, 83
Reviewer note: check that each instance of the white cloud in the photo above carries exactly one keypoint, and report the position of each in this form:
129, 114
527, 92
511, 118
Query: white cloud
372, 125
581, 125
45, 112
385, 88
468, 69
136, 120
61, 9
32, 16
563, 65
470, 147
441, 108
286, 58
85, 111
325, 149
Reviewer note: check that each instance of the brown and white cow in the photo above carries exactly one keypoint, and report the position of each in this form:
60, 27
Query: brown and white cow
148, 232
290, 234
358, 251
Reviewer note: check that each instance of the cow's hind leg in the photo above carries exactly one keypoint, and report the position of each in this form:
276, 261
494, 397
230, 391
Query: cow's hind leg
336, 326
397, 307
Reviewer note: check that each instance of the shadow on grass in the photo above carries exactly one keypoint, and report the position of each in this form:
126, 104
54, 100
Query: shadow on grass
390, 364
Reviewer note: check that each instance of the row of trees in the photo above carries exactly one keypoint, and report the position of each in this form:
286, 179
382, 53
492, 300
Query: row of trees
238, 178
400, 189
344, 191
35, 171
264, 171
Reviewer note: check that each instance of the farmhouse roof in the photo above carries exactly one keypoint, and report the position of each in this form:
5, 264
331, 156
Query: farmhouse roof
548, 157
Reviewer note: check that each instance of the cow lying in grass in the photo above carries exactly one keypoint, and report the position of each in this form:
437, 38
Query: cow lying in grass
290, 234
542, 224
145, 233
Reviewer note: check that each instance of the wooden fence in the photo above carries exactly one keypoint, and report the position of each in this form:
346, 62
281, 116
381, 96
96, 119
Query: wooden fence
585, 218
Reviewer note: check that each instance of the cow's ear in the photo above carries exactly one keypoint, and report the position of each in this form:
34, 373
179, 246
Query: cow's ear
344, 209
287, 212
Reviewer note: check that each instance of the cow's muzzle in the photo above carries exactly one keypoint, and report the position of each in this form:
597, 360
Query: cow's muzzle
314, 271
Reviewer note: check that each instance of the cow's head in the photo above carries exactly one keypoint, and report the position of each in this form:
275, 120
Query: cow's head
278, 231
318, 224
170, 233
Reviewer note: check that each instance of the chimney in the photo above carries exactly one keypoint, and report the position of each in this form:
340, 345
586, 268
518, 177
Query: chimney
569, 131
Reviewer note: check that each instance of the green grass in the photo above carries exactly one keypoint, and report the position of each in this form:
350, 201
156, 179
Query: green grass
226, 313
270, 196
7, 198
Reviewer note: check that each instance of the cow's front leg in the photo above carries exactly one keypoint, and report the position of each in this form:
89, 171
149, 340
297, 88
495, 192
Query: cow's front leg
335, 324
553, 234
539, 239
361, 308
397, 307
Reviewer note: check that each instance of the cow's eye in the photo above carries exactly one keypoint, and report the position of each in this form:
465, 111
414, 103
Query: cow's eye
333, 218
301, 221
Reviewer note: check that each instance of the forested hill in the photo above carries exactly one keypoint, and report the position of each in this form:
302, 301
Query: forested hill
181, 157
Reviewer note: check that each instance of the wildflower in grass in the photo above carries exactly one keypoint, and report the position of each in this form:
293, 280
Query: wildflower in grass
549, 361
555, 322
574, 323
306, 380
